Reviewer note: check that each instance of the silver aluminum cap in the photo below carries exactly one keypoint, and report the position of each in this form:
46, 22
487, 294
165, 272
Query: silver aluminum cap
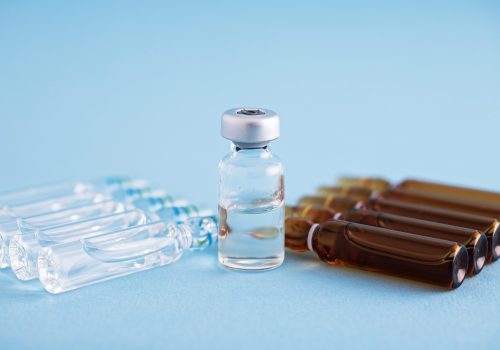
250, 127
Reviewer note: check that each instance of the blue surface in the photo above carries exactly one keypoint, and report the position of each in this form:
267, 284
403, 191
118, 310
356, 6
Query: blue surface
384, 88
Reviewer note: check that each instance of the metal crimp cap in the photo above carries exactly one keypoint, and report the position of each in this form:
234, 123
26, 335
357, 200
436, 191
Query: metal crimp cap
250, 127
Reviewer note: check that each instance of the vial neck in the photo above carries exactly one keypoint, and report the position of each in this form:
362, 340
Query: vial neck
245, 148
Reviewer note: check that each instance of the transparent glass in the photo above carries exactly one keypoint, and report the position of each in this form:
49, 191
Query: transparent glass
27, 239
60, 189
25, 246
51, 212
155, 200
9, 229
123, 193
251, 210
76, 264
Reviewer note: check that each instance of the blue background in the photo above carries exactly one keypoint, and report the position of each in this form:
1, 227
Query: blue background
374, 88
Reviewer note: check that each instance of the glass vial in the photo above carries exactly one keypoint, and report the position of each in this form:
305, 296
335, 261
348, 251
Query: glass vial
430, 260
251, 192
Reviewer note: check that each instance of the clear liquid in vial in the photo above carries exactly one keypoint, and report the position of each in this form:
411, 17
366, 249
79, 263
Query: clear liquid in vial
252, 238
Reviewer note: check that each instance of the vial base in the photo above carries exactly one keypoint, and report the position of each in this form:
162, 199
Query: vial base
249, 264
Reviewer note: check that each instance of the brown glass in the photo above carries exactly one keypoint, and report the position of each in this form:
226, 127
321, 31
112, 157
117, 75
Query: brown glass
489, 226
374, 183
474, 241
354, 191
441, 201
315, 214
430, 260
451, 191
338, 203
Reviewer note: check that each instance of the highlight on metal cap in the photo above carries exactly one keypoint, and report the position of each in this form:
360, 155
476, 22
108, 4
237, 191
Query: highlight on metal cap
250, 127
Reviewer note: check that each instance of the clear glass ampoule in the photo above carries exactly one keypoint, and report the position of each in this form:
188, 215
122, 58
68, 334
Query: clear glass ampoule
9, 229
27, 242
25, 246
126, 192
251, 192
76, 264
456, 192
474, 241
84, 206
488, 225
430, 260
61, 189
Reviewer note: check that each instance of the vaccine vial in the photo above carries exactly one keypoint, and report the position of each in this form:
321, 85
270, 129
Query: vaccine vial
251, 192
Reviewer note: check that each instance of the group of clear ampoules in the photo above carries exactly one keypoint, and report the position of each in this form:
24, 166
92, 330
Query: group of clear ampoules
74, 234
421, 230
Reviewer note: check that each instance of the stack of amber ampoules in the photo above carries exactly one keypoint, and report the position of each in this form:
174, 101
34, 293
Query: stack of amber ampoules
420, 230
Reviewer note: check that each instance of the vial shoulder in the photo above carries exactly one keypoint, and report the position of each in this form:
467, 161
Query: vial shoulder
267, 167
246, 158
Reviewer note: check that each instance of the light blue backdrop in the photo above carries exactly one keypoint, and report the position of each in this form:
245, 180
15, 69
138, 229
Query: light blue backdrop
386, 88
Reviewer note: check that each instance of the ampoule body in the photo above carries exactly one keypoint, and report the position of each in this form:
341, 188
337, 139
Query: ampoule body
487, 225
474, 241
403, 254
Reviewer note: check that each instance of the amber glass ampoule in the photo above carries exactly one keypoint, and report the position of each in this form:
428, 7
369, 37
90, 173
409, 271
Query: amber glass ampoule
338, 203
441, 201
451, 191
430, 260
473, 240
315, 214
488, 225
374, 183
350, 191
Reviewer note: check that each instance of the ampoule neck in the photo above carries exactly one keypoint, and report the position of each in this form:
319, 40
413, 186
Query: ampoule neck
185, 236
